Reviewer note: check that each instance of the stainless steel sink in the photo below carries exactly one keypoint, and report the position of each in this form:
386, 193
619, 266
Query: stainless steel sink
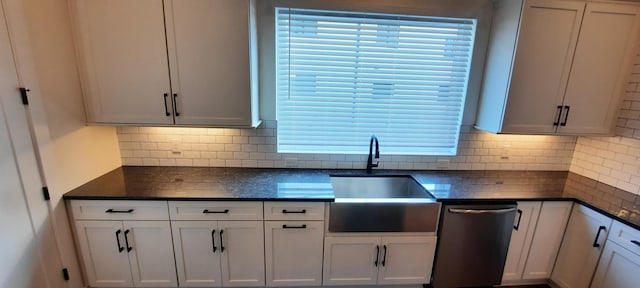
396, 203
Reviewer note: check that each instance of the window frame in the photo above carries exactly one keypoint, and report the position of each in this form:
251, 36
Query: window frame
481, 11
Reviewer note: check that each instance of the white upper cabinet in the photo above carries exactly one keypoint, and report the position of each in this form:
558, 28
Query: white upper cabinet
154, 62
562, 71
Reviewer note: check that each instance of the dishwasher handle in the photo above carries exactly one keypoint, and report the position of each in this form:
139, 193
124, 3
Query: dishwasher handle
481, 211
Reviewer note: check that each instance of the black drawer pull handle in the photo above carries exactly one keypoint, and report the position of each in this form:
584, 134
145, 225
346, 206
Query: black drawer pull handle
221, 242
166, 109
303, 211
175, 104
126, 240
384, 257
559, 115
377, 255
519, 218
595, 241
118, 211
120, 248
635, 242
566, 116
206, 211
213, 240
285, 226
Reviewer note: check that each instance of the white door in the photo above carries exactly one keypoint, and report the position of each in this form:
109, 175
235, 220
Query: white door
124, 60
351, 260
150, 253
618, 267
521, 237
209, 49
406, 260
197, 248
542, 65
294, 253
20, 266
606, 47
104, 253
581, 247
546, 242
242, 253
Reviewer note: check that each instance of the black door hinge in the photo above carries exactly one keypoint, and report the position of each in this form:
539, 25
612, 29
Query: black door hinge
65, 274
23, 94
45, 193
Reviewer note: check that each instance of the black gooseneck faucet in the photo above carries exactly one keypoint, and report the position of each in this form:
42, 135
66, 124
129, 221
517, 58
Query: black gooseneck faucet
370, 163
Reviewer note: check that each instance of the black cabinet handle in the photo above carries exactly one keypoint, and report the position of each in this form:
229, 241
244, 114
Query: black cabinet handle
559, 115
595, 241
566, 116
175, 104
285, 226
285, 211
213, 240
166, 109
206, 211
377, 255
635, 242
120, 248
384, 257
221, 242
118, 211
126, 240
519, 218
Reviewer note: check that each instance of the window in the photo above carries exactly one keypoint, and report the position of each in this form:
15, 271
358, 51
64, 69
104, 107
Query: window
343, 76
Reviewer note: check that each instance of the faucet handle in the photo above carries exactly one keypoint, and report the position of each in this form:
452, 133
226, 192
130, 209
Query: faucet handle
376, 164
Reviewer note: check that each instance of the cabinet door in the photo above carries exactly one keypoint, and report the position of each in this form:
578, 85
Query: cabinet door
210, 59
151, 253
406, 260
197, 249
618, 267
608, 38
580, 251
294, 253
105, 258
542, 65
351, 260
242, 253
547, 239
521, 237
124, 60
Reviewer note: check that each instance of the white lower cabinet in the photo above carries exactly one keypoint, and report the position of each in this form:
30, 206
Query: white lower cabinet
127, 253
294, 253
521, 237
535, 241
371, 260
618, 267
619, 264
219, 253
581, 248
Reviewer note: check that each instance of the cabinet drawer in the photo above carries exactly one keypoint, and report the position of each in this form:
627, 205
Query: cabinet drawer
215, 210
119, 210
293, 211
625, 236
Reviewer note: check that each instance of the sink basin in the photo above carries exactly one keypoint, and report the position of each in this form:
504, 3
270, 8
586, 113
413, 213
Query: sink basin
381, 189
396, 203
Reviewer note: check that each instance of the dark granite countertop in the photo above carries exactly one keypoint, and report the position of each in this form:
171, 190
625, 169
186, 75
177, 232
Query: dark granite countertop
194, 183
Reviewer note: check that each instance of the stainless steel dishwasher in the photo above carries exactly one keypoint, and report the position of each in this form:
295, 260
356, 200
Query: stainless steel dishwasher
473, 243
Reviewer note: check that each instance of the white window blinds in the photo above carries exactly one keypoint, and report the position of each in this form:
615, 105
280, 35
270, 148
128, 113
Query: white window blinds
343, 76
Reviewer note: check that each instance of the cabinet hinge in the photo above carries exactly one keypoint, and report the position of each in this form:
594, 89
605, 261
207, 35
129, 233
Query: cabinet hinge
24, 96
45, 193
65, 274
